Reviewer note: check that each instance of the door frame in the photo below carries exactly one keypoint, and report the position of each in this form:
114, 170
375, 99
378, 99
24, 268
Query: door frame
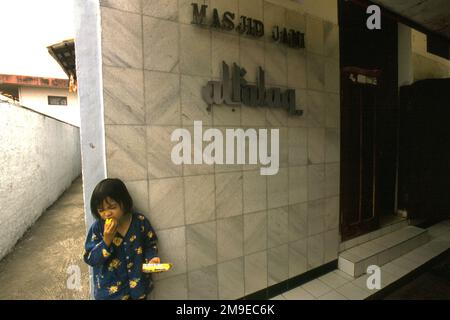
349, 230
370, 51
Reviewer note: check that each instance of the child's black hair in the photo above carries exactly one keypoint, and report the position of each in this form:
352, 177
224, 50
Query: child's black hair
116, 190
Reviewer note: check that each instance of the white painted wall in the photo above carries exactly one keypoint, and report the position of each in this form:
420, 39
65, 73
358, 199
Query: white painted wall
405, 68
426, 65
414, 61
90, 91
39, 159
37, 99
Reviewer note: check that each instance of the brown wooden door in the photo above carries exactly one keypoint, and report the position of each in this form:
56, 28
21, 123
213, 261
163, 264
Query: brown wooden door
358, 151
369, 120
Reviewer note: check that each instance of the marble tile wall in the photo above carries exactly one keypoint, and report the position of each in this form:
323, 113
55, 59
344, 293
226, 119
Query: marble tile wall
228, 230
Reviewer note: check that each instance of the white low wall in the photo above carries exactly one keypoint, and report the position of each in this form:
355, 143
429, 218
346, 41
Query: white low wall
39, 159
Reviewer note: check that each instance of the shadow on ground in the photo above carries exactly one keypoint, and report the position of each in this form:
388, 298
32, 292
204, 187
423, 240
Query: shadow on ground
433, 284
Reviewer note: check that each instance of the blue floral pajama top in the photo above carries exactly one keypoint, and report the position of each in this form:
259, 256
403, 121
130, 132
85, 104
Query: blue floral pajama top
117, 269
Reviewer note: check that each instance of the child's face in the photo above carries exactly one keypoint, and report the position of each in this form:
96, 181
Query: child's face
110, 209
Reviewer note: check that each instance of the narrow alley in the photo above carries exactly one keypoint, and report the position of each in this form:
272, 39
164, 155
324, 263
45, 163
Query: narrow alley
40, 264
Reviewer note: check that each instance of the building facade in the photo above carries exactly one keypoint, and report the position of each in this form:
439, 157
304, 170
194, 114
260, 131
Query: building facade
230, 231
49, 96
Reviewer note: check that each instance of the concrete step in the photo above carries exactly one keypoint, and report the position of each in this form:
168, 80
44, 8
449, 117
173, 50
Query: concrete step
381, 250
385, 229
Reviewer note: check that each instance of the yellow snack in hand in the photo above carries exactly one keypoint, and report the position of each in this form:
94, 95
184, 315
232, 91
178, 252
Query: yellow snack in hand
108, 221
156, 267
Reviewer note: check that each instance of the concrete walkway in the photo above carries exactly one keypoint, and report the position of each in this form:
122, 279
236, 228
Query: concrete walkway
337, 285
37, 268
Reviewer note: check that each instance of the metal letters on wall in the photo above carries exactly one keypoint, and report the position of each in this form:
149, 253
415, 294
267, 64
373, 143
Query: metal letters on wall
248, 26
233, 90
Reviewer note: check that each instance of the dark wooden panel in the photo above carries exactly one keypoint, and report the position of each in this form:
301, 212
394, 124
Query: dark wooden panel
424, 171
358, 157
369, 133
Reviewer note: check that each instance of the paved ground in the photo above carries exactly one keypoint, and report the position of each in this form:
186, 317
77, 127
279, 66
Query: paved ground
433, 284
37, 268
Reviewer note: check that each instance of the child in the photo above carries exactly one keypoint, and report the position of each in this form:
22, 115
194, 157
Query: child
117, 250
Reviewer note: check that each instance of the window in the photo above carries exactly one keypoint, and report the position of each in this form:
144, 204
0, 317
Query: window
57, 101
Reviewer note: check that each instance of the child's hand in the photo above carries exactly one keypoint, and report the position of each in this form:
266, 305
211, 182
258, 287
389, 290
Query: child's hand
155, 260
110, 231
